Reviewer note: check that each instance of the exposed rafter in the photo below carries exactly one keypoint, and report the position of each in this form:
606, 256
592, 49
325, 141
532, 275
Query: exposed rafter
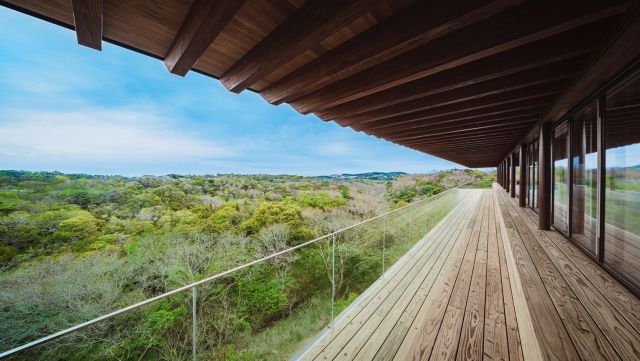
616, 57
558, 49
313, 22
415, 26
460, 80
87, 18
203, 24
458, 48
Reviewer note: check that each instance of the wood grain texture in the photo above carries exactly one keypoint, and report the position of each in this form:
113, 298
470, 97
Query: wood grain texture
87, 18
414, 26
314, 21
415, 267
418, 342
618, 55
587, 338
380, 63
204, 22
507, 63
482, 40
530, 345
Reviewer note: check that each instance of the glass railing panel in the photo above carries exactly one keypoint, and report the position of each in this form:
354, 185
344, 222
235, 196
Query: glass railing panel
408, 225
267, 311
156, 331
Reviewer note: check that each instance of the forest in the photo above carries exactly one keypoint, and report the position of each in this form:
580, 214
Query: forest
74, 247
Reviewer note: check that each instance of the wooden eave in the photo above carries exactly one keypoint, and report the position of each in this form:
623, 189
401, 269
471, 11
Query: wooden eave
465, 81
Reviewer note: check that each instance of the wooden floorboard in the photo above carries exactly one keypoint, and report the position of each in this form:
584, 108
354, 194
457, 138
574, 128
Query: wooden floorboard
487, 284
598, 313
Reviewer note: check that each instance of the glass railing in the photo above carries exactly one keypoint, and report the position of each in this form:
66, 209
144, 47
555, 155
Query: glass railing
289, 295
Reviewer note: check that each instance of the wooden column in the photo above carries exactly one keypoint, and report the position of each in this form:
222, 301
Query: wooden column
602, 173
507, 173
522, 200
544, 177
512, 171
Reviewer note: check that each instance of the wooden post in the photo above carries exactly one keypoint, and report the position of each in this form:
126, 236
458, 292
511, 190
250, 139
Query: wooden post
522, 201
507, 173
544, 177
512, 181
602, 173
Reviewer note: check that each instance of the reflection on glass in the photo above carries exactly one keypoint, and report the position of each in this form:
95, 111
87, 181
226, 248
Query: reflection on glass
560, 177
622, 195
585, 178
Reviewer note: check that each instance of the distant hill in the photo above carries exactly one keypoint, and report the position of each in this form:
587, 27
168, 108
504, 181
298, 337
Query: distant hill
369, 175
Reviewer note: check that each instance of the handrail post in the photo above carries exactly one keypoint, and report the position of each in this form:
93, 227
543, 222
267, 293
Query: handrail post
333, 279
194, 324
384, 240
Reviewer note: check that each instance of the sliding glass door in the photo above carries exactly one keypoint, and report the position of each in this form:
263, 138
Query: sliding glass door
622, 186
584, 163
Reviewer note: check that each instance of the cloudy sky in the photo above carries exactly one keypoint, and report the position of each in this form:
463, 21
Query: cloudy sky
73, 109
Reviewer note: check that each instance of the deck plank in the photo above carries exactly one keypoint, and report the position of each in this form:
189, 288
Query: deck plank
398, 334
348, 324
622, 300
418, 342
585, 335
554, 341
487, 284
359, 347
513, 333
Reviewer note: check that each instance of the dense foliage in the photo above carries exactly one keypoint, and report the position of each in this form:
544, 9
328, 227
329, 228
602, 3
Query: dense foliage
74, 247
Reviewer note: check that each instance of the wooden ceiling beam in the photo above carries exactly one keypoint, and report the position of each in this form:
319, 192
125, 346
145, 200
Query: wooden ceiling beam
526, 25
562, 48
202, 25
512, 123
313, 22
414, 26
486, 120
527, 79
520, 96
466, 136
480, 148
618, 55
464, 113
471, 117
88, 19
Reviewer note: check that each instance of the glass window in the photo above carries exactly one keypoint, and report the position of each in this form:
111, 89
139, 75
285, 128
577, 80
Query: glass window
560, 177
622, 187
584, 162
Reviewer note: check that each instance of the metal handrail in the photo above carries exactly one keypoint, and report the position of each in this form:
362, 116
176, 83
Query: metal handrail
129, 308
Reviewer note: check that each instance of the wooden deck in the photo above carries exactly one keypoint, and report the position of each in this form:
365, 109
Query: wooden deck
486, 284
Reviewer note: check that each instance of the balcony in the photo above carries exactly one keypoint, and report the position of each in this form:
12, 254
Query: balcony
486, 283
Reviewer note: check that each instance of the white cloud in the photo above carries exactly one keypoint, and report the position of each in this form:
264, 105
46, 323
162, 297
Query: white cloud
127, 136
337, 149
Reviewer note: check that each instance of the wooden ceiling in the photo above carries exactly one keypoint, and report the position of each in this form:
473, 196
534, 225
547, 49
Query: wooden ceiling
463, 80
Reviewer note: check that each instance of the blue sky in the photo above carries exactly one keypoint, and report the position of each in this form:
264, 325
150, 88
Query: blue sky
73, 109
